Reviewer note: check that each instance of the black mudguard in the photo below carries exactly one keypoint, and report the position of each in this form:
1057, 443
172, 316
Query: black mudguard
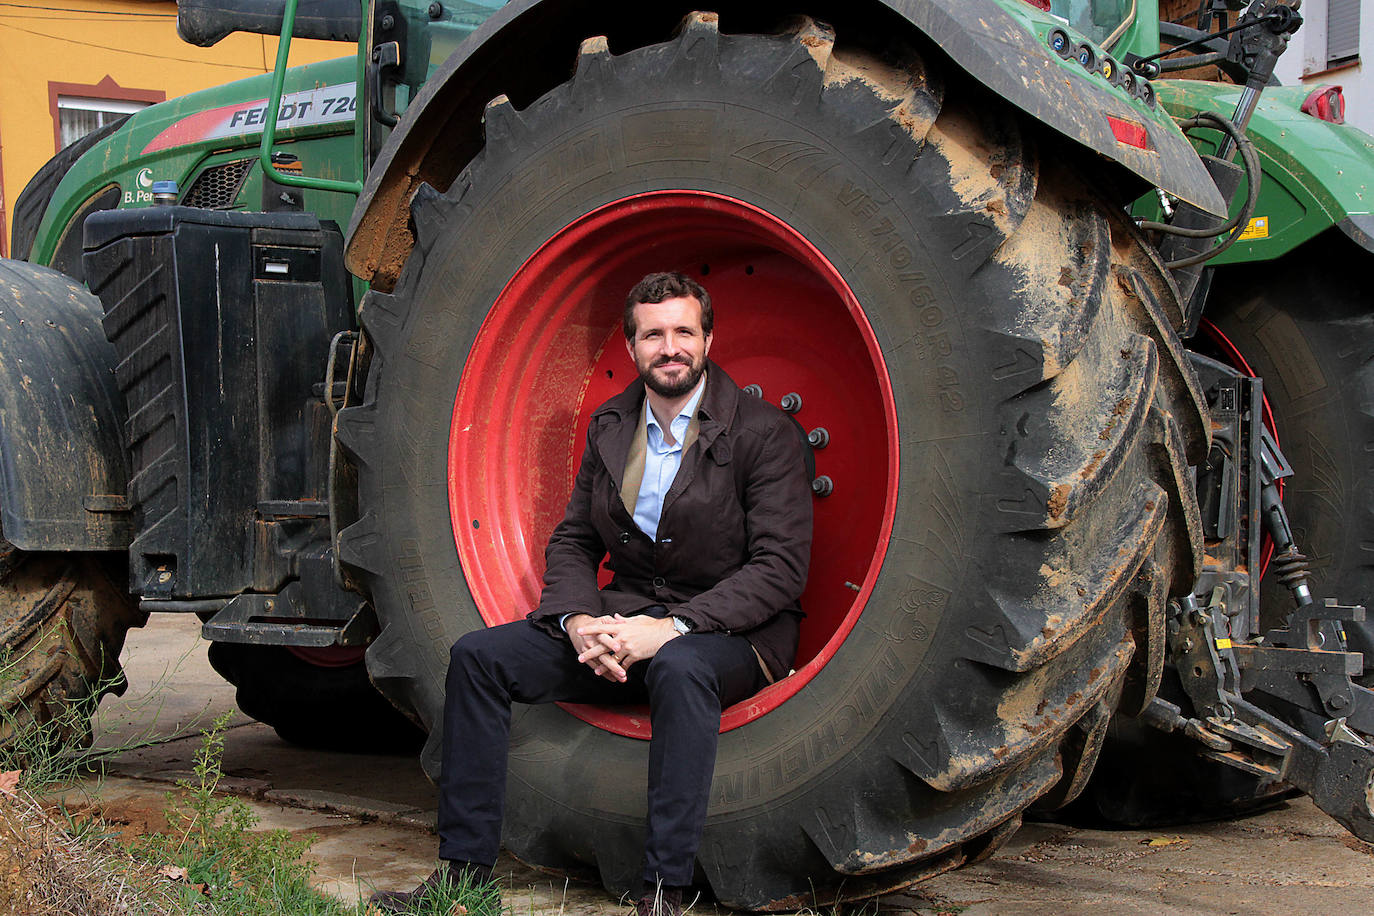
528, 47
62, 462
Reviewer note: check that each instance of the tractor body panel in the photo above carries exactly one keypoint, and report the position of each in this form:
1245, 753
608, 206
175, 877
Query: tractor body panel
1316, 174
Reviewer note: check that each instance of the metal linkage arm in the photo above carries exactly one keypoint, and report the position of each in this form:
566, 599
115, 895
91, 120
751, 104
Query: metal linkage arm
1302, 666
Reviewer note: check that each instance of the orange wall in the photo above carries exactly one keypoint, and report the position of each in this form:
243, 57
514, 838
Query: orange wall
130, 42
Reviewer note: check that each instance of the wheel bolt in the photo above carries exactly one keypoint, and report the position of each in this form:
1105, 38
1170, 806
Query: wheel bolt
755, 390
818, 437
823, 486
791, 402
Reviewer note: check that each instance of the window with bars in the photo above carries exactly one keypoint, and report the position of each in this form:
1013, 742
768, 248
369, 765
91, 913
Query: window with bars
78, 116
1342, 31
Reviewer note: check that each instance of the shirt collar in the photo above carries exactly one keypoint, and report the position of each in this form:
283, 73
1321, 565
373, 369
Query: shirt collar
688, 410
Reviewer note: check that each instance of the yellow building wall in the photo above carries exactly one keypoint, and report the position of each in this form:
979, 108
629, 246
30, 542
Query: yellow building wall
131, 42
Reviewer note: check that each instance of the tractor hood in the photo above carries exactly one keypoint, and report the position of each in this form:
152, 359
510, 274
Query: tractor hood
169, 141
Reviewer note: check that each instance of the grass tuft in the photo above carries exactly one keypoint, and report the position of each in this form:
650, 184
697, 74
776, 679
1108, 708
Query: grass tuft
462, 897
209, 861
217, 856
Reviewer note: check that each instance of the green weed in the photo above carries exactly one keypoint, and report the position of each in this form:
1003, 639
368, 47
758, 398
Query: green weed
217, 856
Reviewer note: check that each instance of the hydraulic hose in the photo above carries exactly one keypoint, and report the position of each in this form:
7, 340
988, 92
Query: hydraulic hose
1236, 224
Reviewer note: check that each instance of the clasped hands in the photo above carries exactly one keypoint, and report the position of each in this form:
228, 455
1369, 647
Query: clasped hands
610, 644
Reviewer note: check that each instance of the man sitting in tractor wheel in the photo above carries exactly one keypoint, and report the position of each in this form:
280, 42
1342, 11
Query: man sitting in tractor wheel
699, 494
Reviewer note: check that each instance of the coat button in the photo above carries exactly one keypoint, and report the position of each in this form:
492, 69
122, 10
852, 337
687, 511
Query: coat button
624, 537
659, 582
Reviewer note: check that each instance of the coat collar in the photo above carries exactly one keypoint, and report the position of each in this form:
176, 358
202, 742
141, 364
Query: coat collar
613, 423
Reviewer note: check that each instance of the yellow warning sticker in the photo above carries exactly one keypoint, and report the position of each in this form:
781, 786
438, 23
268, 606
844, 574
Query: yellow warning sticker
1223, 642
1258, 228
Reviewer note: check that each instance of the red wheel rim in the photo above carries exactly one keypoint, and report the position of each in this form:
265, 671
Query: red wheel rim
550, 351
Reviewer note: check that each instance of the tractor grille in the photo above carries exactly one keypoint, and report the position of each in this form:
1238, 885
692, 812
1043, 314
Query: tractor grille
217, 188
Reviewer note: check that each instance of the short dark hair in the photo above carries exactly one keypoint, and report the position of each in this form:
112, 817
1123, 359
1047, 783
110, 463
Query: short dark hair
657, 287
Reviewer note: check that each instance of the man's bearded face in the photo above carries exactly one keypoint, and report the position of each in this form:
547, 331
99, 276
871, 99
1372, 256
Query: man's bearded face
669, 347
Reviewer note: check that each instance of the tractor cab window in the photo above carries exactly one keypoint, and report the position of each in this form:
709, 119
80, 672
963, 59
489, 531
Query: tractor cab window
415, 37
1094, 18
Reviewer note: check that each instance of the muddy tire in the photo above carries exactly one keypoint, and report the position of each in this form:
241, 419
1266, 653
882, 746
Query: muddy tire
1010, 418
32, 203
63, 618
326, 702
1310, 335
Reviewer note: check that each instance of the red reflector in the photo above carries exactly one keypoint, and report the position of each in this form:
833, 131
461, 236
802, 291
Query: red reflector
1326, 103
1040, 4
1131, 133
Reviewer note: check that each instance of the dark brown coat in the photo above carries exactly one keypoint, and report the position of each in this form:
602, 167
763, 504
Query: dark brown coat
734, 539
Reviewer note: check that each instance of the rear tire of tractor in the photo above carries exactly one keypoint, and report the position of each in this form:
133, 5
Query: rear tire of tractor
1310, 335
63, 618
1038, 507
332, 708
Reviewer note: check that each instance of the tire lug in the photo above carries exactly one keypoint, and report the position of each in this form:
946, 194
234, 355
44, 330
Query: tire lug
818, 437
823, 486
755, 390
791, 402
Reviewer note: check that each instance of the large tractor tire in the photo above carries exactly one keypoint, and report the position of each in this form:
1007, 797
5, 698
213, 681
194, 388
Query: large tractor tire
1309, 333
317, 698
990, 348
32, 203
63, 618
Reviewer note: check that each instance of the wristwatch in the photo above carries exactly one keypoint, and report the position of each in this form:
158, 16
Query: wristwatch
682, 626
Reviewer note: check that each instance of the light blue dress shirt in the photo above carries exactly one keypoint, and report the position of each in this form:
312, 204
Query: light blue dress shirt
661, 462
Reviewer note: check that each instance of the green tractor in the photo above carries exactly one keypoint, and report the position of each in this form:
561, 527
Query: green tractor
312, 356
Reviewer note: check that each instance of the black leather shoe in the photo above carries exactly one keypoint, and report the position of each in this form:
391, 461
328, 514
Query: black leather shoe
447, 876
667, 901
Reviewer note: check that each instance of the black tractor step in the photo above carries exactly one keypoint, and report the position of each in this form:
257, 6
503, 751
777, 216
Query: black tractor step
281, 620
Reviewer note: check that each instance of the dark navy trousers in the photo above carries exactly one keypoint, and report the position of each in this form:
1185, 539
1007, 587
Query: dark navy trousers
686, 685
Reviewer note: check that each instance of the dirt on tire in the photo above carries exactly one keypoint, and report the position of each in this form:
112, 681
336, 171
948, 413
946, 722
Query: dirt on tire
63, 618
1045, 412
